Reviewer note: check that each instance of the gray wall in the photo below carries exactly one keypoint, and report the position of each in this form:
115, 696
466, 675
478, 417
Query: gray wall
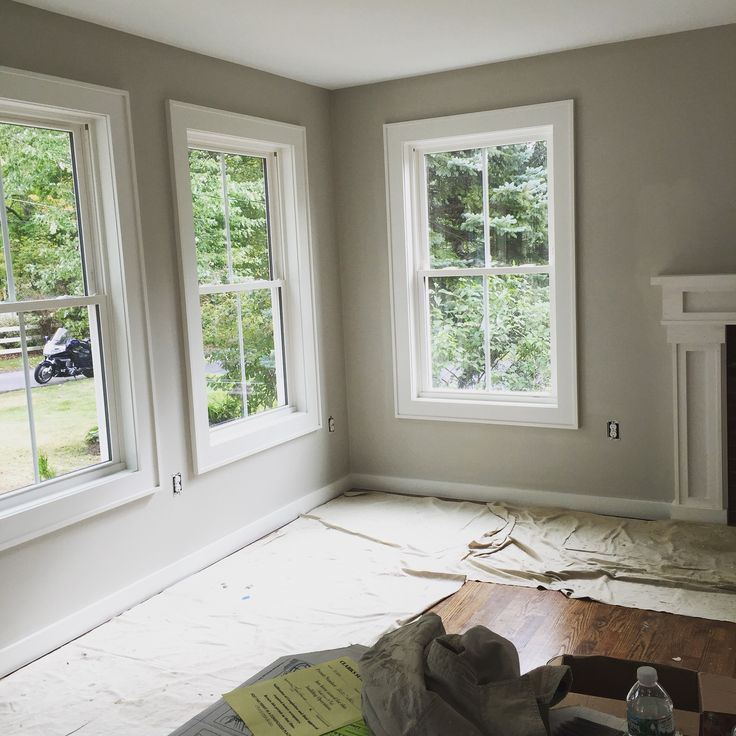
53, 576
655, 132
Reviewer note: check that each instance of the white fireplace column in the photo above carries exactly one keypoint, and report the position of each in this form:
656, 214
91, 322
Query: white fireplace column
695, 312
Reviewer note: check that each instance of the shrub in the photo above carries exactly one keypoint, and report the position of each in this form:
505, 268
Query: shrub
92, 441
44, 469
222, 406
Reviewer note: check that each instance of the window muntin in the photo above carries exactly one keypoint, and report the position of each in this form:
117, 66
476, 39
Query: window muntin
240, 296
49, 283
481, 226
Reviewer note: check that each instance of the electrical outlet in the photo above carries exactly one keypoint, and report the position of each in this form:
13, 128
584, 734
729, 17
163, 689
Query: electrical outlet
331, 424
176, 483
613, 430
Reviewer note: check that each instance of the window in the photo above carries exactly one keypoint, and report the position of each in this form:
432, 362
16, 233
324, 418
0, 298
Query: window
74, 378
482, 252
247, 285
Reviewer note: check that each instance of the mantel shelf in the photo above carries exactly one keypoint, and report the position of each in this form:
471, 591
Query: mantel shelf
709, 299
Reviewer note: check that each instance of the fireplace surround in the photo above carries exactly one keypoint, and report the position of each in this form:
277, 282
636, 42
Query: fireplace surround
696, 311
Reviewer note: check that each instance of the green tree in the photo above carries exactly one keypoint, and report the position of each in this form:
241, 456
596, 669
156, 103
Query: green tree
517, 196
518, 318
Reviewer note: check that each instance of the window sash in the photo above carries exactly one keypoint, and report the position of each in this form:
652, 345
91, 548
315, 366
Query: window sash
106, 403
91, 262
475, 271
240, 286
426, 386
86, 196
275, 258
423, 272
47, 305
277, 298
229, 145
418, 187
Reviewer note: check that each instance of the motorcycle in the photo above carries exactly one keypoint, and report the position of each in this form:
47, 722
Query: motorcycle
64, 357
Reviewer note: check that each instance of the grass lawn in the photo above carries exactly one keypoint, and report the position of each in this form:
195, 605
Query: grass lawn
13, 364
63, 413
10, 363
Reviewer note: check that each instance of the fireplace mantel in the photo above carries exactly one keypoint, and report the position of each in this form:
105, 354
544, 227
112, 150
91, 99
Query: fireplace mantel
695, 312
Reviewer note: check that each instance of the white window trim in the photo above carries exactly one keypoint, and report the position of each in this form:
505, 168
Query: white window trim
192, 125
403, 141
51, 505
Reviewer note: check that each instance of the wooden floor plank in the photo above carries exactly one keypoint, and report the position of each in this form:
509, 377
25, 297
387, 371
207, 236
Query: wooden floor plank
543, 624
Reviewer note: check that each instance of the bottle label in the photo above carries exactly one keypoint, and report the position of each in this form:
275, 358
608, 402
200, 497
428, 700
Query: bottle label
651, 726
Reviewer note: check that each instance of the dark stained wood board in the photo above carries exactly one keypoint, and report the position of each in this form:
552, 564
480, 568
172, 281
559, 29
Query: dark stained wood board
543, 624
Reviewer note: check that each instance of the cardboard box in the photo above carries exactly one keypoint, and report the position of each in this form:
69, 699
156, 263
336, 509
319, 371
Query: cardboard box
705, 704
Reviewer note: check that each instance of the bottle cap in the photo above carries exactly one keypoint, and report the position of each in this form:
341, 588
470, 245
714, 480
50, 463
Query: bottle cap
647, 676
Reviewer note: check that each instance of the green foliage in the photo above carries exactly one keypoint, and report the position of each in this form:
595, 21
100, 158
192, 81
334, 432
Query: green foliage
222, 406
40, 201
517, 198
519, 333
245, 183
45, 471
455, 204
456, 311
92, 440
220, 329
518, 318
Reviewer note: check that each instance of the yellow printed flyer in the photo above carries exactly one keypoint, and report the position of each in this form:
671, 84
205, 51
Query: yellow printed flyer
354, 729
308, 702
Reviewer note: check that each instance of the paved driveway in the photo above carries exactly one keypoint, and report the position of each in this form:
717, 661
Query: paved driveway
13, 380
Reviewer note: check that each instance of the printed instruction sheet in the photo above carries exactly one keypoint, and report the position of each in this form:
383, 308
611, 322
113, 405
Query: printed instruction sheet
308, 702
221, 720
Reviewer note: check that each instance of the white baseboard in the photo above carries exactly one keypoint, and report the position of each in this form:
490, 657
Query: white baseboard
607, 505
691, 513
45, 640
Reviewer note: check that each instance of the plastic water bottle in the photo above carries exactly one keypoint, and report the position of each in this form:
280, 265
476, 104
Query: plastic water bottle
648, 707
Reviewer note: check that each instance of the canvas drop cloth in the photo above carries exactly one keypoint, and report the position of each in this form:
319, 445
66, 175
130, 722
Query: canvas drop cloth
303, 588
346, 573
672, 566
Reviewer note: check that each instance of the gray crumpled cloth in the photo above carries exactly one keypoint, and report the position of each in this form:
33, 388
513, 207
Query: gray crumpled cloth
420, 681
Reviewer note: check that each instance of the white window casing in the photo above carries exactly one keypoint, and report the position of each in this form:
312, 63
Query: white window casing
283, 147
99, 119
406, 144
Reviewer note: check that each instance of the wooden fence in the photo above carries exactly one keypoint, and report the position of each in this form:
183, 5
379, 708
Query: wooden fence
10, 340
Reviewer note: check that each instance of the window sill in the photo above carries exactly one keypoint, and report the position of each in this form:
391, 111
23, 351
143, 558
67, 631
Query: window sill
546, 412
249, 437
35, 517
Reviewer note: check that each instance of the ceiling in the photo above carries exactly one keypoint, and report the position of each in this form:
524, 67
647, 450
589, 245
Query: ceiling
341, 43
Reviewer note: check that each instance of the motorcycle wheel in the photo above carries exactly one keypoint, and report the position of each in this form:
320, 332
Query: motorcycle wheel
44, 372
88, 372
